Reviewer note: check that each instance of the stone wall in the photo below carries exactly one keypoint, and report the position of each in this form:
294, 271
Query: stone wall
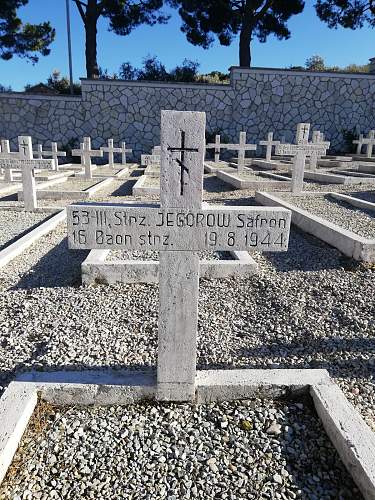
257, 100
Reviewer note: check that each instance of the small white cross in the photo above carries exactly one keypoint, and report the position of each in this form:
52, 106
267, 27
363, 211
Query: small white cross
269, 143
54, 154
124, 151
111, 150
370, 142
86, 153
217, 146
242, 147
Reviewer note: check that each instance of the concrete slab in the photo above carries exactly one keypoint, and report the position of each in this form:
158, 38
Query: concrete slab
140, 188
16, 248
96, 269
347, 242
241, 183
355, 202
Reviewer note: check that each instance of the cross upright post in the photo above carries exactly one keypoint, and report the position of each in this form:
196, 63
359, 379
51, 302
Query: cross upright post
38, 154
303, 133
242, 147
54, 154
179, 228
85, 152
7, 154
317, 138
124, 151
370, 142
111, 150
217, 146
269, 143
359, 143
27, 165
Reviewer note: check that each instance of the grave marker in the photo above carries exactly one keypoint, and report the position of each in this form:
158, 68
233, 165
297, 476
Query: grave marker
300, 151
111, 150
242, 147
317, 138
7, 154
123, 152
38, 154
86, 153
359, 143
147, 160
303, 133
54, 153
269, 143
179, 228
370, 142
217, 146
27, 165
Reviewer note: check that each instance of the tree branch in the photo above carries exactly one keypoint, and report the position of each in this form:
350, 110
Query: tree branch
80, 9
264, 9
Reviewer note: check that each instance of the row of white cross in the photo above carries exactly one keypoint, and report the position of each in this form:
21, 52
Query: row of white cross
369, 142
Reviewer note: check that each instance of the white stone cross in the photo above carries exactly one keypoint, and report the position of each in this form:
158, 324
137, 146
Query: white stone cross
317, 138
300, 152
370, 142
156, 150
217, 146
269, 143
359, 143
303, 133
124, 151
179, 228
111, 150
7, 154
27, 165
54, 154
38, 154
86, 153
242, 147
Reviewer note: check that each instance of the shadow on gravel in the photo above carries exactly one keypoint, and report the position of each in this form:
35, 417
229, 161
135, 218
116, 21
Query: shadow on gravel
60, 267
307, 253
9, 197
126, 189
27, 230
215, 185
137, 172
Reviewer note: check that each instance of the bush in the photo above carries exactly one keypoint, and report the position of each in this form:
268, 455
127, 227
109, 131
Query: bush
61, 84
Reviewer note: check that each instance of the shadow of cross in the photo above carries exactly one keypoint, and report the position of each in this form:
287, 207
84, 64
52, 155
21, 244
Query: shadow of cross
179, 228
27, 165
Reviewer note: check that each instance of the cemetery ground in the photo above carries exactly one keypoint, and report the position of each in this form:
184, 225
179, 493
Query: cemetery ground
311, 307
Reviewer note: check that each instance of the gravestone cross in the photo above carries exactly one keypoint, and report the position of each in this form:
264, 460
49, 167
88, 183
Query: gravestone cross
124, 151
217, 146
179, 228
317, 138
111, 150
54, 154
156, 150
300, 151
359, 143
370, 142
27, 165
38, 154
242, 147
86, 153
7, 154
269, 143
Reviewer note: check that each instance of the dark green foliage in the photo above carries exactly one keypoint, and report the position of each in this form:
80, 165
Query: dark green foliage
351, 14
154, 70
5, 89
203, 20
123, 16
61, 84
23, 40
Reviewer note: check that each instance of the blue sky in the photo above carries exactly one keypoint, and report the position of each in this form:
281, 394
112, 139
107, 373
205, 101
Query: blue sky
309, 37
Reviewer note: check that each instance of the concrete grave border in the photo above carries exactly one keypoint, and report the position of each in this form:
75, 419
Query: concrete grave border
139, 189
16, 248
68, 195
239, 183
349, 243
350, 435
95, 269
122, 172
211, 168
352, 200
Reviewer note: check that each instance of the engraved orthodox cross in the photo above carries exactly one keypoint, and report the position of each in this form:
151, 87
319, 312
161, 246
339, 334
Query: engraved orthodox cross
179, 228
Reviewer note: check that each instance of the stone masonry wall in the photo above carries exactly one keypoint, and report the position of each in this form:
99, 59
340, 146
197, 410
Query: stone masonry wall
258, 100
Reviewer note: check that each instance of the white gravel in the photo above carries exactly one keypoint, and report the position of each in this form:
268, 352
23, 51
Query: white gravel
152, 255
231, 451
14, 224
357, 220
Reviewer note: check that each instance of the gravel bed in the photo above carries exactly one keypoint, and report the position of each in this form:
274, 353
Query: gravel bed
107, 171
152, 182
75, 184
154, 255
358, 220
14, 224
231, 451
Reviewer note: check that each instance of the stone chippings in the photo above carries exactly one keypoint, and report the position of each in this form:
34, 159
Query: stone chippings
231, 451
151, 255
358, 220
255, 101
14, 223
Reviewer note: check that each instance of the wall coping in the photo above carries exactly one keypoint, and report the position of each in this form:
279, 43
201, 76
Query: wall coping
24, 95
145, 83
234, 70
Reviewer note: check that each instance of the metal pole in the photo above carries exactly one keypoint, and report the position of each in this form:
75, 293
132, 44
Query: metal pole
69, 47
